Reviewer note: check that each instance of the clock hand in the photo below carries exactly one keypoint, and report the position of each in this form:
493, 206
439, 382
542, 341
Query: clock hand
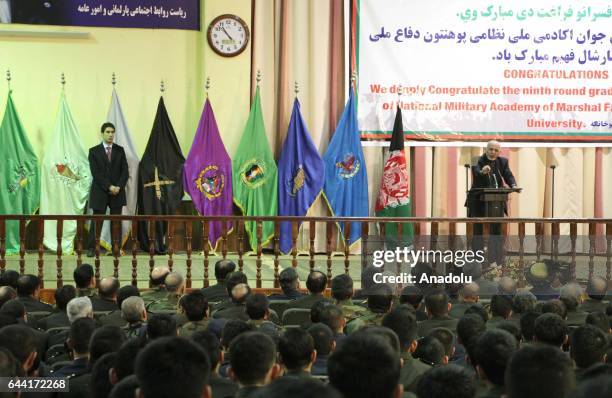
230, 37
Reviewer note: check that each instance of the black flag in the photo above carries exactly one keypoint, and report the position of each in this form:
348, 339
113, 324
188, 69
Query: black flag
160, 176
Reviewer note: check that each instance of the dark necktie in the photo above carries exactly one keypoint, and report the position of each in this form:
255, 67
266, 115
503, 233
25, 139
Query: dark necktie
108, 153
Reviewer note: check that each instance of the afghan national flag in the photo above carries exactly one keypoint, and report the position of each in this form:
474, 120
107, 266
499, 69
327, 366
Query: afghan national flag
255, 176
346, 179
19, 174
394, 194
301, 174
65, 178
208, 173
123, 138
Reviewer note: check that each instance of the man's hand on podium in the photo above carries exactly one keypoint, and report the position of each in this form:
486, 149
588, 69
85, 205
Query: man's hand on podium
485, 170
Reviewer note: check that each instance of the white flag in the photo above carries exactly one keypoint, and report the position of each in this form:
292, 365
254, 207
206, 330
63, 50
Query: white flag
65, 179
123, 138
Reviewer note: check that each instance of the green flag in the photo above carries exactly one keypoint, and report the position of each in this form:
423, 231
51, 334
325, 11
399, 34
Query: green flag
255, 176
394, 193
19, 174
65, 178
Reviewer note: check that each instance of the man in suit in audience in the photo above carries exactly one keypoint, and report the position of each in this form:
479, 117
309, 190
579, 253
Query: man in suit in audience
107, 295
28, 292
109, 169
20, 341
437, 306
403, 322
85, 281
237, 307
220, 386
258, 310
7, 293
59, 318
218, 291
316, 284
81, 331
290, 285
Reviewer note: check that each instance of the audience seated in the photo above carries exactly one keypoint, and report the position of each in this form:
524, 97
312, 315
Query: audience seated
599, 320
218, 291
296, 352
107, 295
220, 386
7, 293
81, 331
447, 381
233, 279
297, 388
437, 307
379, 303
160, 325
492, 352
85, 281
316, 284
195, 307
333, 317
236, 309
21, 341
324, 344
341, 292
539, 371
28, 291
258, 311
252, 362
115, 317
9, 278
135, 314
447, 339
571, 296
430, 351
550, 329
522, 302
413, 296
468, 295
59, 318
501, 309
588, 347
157, 281
290, 285
596, 290
175, 286
527, 324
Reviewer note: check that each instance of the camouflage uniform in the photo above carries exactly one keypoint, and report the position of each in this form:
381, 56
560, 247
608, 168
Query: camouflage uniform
87, 292
166, 303
366, 318
350, 310
191, 327
153, 294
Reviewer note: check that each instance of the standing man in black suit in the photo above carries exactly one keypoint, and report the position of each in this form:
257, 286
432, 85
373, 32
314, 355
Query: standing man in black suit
109, 169
491, 171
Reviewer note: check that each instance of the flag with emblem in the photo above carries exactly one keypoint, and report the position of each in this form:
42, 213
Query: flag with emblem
19, 174
346, 179
301, 174
160, 174
123, 138
65, 179
208, 173
394, 193
255, 176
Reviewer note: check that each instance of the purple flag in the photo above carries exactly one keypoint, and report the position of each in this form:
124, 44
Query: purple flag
207, 176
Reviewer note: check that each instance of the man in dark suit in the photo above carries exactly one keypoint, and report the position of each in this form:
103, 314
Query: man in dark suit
491, 171
109, 169
28, 292
218, 292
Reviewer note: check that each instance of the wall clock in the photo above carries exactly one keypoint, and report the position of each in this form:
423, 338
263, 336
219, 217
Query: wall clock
228, 35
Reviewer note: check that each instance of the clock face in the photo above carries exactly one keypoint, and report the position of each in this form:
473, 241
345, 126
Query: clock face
228, 35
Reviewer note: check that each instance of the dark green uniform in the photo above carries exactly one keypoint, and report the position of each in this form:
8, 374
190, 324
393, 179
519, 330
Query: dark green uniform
367, 318
191, 327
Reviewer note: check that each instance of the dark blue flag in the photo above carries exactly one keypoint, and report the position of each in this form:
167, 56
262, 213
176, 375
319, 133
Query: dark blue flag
301, 174
346, 180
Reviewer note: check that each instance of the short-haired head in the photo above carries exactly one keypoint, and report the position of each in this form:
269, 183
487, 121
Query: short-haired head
105, 126
527, 323
523, 301
240, 292
479, 310
469, 328
195, 305
125, 292
506, 286
252, 358
173, 367
211, 345
380, 298
470, 292
233, 279
446, 381
296, 349
317, 308
161, 325
342, 287
232, 329
550, 328
412, 295
28, 285
323, 338
63, 295
257, 306
83, 276
492, 352
297, 388
223, 268
21, 341
599, 320
80, 334
446, 337
539, 371
9, 277
430, 350
437, 304
288, 279
588, 346
332, 316
133, 309
501, 305
106, 339
316, 282
365, 366
79, 307
6, 293
402, 321
13, 308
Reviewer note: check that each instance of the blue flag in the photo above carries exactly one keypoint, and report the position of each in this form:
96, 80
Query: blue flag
301, 174
346, 179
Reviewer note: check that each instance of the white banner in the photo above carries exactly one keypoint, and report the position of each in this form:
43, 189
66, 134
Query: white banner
474, 70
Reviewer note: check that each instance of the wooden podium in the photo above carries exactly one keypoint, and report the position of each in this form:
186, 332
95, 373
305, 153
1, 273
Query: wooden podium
494, 199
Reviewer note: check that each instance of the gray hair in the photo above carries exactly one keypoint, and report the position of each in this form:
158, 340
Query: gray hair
79, 307
132, 309
571, 295
523, 301
174, 281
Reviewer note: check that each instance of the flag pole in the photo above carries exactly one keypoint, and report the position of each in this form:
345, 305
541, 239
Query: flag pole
162, 87
207, 86
63, 81
113, 80
8, 79
296, 89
